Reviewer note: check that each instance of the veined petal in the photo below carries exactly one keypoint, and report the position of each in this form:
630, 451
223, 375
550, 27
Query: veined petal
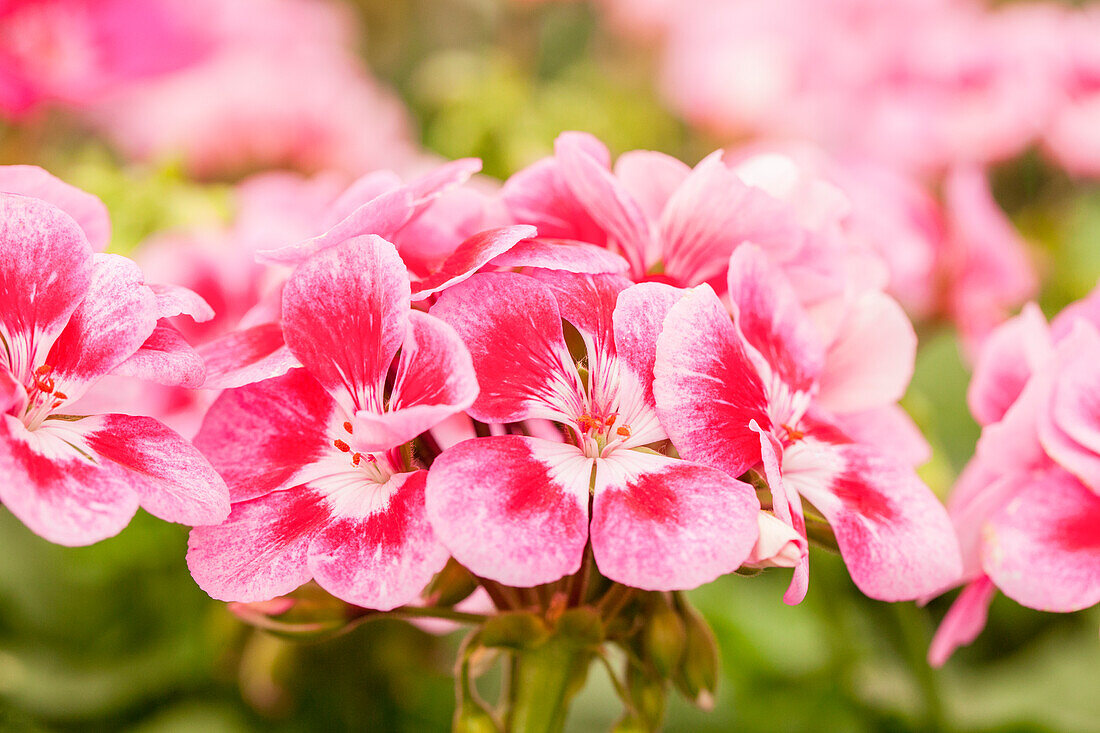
171, 478
769, 316
894, 535
13, 396
605, 199
1008, 358
382, 553
538, 195
964, 620
871, 362
562, 254
261, 437
512, 327
890, 430
115, 318
706, 389
651, 178
345, 314
246, 356
510, 508
470, 256
664, 524
56, 490
86, 210
1043, 548
261, 551
46, 272
165, 358
787, 505
435, 379
361, 191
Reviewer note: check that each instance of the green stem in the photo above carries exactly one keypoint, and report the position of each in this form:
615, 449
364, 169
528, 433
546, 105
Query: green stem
915, 643
544, 682
448, 614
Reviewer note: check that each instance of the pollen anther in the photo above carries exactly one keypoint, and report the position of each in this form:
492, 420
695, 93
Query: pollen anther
347, 426
341, 446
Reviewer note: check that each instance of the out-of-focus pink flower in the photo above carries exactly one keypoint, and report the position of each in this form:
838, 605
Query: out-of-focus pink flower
761, 390
281, 86
74, 51
68, 317
1071, 136
1027, 509
319, 487
516, 508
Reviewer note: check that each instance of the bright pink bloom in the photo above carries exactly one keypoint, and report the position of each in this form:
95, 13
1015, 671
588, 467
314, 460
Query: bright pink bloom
520, 509
319, 487
759, 391
87, 210
1026, 508
1070, 137
68, 317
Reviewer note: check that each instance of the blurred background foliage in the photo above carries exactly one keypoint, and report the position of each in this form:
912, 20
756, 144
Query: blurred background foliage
118, 637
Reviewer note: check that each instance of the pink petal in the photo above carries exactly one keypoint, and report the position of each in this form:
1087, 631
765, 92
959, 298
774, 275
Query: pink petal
893, 533
538, 195
512, 327
871, 362
1043, 548
47, 268
261, 550
787, 505
379, 556
510, 508
706, 389
115, 318
1006, 361
605, 199
638, 319
771, 319
470, 256
964, 621
165, 358
13, 396
779, 545
444, 178
562, 254
664, 524
57, 492
174, 300
890, 430
651, 178
363, 190
1069, 426
260, 437
435, 379
345, 313
246, 356
86, 210
171, 478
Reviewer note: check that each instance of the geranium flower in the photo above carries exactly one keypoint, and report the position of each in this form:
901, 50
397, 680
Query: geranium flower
760, 391
321, 487
67, 318
520, 509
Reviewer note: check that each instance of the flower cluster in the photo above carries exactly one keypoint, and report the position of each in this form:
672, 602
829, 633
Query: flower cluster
1027, 504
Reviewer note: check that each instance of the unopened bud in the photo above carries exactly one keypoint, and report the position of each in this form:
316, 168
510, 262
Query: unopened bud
778, 545
697, 675
647, 694
665, 638
630, 723
472, 717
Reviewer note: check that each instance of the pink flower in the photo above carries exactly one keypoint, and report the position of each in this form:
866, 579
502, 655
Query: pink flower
1026, 508
521, 509
320, 486
762, 390
1071, 135
68, 317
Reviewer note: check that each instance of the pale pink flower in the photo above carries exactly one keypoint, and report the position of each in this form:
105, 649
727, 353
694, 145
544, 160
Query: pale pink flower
521, 509
319, 486
68, 317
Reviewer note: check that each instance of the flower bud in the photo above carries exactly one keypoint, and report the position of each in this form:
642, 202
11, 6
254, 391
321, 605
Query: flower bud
778, 546
664, 638
697, 675
472, 717
647, 695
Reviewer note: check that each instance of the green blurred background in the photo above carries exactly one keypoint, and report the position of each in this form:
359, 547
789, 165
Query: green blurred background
118, 637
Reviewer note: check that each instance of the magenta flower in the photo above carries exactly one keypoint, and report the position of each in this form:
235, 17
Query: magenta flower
761, 390
68, 317
320, 486
520, 509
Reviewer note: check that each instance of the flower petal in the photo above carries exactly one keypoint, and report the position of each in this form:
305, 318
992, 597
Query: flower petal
1069, 424
379, 556
261, 551
165, 358
787, 505
87, 210
1043, 548
510, 508
663, 524
651, 178
174, 300
538, 195
707, 390
246, 356
1007, 359
260, 437
562, 254
894, 535
435, 379
46, 272
964, 620
890, 430
115, 318
511, 325
171, 478
470, 256
345, 314
56, 491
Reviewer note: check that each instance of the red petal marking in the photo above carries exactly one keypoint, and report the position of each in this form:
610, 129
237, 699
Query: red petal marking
246, 356
470, 256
